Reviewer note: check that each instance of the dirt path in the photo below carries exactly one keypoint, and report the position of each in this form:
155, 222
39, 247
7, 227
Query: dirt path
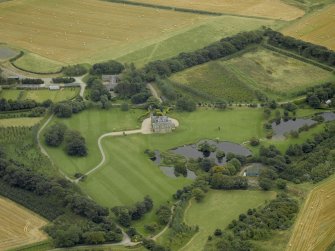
154, 93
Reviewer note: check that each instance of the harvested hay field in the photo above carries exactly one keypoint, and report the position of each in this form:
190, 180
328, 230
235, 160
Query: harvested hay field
314, 229
276, 73
274, 9
27, 122
18, 226
317, 28
86, 31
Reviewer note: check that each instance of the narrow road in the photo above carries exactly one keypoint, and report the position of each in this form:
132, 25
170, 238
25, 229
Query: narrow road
154, 92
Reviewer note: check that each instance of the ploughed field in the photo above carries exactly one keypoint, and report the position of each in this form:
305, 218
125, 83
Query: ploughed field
238, 78
275, 9
314, 228
18, 226
317, 27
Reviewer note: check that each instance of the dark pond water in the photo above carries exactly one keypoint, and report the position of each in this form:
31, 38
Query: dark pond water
291, 125
169, 171
191, 151
328, 116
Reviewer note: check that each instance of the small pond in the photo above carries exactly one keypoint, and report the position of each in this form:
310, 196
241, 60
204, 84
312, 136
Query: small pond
328, 116
169, 171
191, 151
293, 125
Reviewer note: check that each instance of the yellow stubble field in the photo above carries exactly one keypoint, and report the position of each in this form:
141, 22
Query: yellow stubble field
86, 31
274, 9
18, 226
314, 228
318, 27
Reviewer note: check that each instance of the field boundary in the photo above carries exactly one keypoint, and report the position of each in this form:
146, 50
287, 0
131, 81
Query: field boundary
298, 57
178, 9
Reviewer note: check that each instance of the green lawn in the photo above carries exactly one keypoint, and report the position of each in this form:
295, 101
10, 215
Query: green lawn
128, 174
195, 37
35, 63
92, 123
218, 209
40, 95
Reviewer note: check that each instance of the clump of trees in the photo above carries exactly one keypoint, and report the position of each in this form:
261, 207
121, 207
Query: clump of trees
185, 105
67, 108
65, 80
54, 135
32, 81
125, 215
257, 224
305, 49
75, 144
74, 70
316, 96
110, 67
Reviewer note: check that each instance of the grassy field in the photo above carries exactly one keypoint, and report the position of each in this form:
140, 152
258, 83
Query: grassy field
128, 174
223, 206
314, 228
40, 95
78, 32
275, 9
196, 37
217, 81
18, 225
276, 73
92, 123
317, 27
34, 62
29, 122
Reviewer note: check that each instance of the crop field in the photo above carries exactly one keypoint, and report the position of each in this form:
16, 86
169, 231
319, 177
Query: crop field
40, 95
274, 9
224, 206
317, 27
197, 37
314, 228
86, 32
28, 122
18, 226
217, 81
276, 73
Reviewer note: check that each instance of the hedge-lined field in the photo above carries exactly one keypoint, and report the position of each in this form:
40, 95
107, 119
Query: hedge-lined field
276, 73
217, 81
275, 9
224, 206
18, 225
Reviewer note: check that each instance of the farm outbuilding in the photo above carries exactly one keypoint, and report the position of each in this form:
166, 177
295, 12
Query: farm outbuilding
54, 87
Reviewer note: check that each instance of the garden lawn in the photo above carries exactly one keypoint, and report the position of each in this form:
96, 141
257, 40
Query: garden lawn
92, 123
218, 209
